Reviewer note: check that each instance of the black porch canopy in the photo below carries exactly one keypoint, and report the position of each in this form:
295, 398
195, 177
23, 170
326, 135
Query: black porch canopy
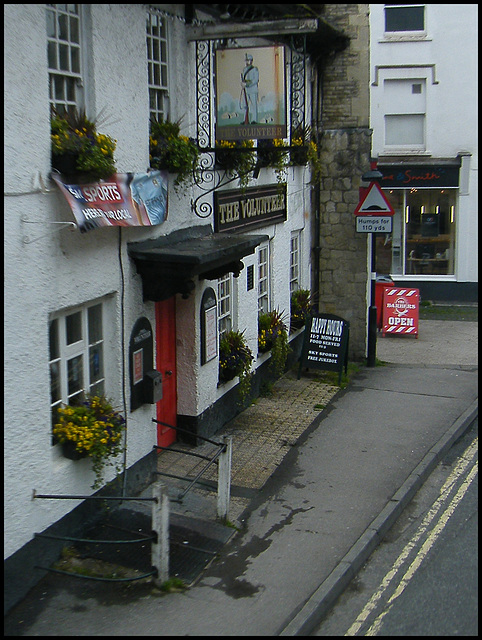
169, 264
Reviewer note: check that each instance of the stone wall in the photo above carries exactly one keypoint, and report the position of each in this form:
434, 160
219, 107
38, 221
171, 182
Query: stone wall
345, 147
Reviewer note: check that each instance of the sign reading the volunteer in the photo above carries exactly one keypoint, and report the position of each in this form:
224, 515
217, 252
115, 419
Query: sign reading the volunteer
124, 200
250, 93
325, 344
374, 203
400, 311
242, 210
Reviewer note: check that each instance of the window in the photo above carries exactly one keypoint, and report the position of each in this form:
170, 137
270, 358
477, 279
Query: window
405, 106
157, 66
295, 262
263, 279
64, 55
404, 17
76, 342
422, 241
225, 304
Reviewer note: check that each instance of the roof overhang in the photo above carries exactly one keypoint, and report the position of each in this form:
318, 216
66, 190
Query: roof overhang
260, 29
169, 264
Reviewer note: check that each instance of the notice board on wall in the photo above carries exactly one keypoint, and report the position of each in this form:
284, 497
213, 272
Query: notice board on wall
325, 344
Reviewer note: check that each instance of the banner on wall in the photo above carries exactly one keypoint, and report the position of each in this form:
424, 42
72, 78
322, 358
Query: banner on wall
124, 200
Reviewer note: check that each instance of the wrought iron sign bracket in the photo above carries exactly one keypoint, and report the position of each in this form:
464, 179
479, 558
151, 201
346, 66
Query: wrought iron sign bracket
207, 177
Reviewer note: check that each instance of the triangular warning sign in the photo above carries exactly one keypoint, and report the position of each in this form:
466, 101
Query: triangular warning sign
374, 203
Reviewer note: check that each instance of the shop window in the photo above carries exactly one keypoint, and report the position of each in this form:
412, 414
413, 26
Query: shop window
404, 17
157, 66
64, 56
76, 343
422, 241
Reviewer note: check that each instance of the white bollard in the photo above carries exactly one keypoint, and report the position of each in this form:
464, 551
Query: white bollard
160, 526
224, 478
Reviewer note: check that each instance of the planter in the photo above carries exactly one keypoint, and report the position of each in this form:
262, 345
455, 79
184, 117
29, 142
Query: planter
69, 451
225, 375
66, 162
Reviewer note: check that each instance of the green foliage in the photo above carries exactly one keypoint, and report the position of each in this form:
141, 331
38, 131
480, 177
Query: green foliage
74, 136
273, 336
235, 358
173, 152
300, 308
94, 428
237, 157
305, 151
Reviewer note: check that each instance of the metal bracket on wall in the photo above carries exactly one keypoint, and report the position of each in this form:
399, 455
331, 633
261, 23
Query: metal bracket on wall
28, 240
207, 177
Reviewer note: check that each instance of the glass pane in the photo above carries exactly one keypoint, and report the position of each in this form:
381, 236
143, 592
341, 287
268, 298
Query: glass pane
59, 87
55, 382
95, 323
50, 24
54, 339
71, 89
74, 327
74, 30
96, 365
97, 389
63, 57
63, 27
404, 130
404, 19
75, 59
52, 55
75, 375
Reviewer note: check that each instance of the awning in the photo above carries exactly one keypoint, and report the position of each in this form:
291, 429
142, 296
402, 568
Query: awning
169, 264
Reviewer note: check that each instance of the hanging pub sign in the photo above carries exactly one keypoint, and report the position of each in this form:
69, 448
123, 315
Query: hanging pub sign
325, 344
241, 210
250, 93
124, 200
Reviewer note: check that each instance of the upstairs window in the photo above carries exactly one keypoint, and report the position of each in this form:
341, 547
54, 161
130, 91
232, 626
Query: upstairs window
405, 113
64, 56
404, 17
157, 66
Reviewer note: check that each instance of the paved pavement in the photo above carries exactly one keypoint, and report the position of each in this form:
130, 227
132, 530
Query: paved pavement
319, 475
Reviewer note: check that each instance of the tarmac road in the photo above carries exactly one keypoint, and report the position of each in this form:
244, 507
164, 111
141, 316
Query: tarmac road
314, 522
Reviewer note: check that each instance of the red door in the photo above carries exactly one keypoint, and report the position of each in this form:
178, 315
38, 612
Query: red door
166, 364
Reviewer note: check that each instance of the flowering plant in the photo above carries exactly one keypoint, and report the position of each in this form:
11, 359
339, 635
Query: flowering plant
300, 308
273, 336
77, 148
305, 151
273, 153
238, 157
92, 429
235, 358
170, 150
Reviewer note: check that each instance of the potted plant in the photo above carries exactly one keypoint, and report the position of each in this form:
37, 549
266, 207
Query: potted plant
273, 336
300, 308
235, 358
237, 157
92, 429
78, 150
172, 151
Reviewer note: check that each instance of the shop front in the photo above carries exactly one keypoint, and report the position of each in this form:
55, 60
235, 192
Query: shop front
422, 247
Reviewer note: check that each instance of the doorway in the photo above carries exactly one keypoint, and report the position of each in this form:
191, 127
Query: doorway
166, 364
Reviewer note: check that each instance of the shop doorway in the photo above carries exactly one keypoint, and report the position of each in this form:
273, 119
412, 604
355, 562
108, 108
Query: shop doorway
166, 364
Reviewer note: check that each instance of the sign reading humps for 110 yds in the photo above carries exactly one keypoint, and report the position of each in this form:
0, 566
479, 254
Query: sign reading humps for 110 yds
325, 344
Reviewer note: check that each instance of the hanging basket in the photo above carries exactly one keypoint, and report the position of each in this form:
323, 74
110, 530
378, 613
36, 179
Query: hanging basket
69, 451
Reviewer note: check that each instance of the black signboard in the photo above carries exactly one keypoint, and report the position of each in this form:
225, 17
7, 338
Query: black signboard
243, 210
419, 175
325, 344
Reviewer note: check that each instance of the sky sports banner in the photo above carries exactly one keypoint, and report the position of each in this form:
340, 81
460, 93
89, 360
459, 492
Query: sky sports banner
125, 200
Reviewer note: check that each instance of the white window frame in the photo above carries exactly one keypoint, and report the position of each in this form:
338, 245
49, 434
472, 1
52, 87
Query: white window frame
64, 353
295, 261
157, 65
65, 43
225, 304
406, 111
264, 278
405, 32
